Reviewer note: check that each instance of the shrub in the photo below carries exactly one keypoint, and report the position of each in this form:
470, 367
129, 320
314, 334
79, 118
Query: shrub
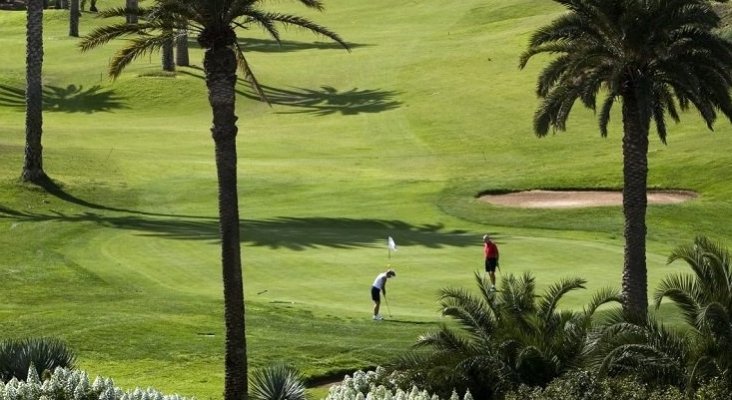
582, 385
378, 385
502, 339
65, 384
16, 356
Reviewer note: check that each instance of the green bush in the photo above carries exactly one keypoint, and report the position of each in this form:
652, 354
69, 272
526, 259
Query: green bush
16, 357
582, 385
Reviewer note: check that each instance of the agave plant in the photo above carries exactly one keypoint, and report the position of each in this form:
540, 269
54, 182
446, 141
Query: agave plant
277, 382
505, 338
16, 356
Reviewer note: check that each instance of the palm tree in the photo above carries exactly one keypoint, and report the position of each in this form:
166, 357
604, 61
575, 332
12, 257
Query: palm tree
214, 22
705, 301
657, 57
506, 338
33, 160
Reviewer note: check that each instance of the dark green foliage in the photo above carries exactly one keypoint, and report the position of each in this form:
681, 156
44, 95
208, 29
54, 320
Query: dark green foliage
700, 351
582, 385
705, 300
277, 382
506, 338
646, 350
45, 354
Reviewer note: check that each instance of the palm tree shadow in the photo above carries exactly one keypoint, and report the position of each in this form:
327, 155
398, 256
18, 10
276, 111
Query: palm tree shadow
69, 99
272, 46
56, 190
328, 100
298, 234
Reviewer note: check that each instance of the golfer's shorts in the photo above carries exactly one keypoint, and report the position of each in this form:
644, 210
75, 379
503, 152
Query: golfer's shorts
491, 264
375, 293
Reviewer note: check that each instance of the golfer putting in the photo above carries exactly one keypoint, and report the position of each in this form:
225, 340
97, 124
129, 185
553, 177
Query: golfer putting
491, 259
379, 287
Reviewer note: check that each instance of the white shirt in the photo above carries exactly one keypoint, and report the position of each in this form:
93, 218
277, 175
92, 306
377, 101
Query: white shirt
380, 280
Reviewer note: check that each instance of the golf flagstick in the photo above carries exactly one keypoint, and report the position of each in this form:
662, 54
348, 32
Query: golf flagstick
391, 245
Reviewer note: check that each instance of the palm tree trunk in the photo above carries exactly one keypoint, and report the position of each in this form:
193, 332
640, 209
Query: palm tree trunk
168, 61
33, 160
131, 5
219, 64
635, 175
181, 48
74, 14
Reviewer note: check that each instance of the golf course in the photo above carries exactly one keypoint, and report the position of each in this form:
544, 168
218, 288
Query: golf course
397, 137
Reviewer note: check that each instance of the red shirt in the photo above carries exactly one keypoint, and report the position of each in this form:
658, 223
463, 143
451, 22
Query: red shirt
490, 249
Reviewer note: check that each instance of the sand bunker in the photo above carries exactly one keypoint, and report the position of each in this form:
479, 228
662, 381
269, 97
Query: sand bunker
581, 198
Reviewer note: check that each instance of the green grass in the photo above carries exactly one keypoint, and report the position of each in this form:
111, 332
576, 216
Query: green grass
395, 138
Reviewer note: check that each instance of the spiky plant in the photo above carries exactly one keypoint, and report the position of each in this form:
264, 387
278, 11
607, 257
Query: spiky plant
45, 354
277, 382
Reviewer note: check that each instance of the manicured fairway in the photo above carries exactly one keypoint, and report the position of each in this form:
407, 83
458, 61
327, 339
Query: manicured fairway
395, 138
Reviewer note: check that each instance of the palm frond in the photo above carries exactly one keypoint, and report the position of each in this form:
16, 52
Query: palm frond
138, 47
105, 34
249, 74
305, 23
554, 293
684, 292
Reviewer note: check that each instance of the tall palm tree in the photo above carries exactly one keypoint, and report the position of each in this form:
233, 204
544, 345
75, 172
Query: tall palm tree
33, 160
656, 57
506, 338
704, 298
215, 24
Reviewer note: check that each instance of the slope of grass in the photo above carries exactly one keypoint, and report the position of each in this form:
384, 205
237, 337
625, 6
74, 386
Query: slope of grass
394, 138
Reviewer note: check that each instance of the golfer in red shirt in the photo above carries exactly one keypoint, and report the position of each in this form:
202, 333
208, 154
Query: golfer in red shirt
491, 259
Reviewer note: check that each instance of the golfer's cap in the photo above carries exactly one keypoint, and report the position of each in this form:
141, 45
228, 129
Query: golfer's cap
486, 236
390, 272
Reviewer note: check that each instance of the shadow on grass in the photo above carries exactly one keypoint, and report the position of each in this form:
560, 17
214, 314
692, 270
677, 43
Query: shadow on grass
292, 233
328, 100
324, 101
69, 99
276, 233
284, 46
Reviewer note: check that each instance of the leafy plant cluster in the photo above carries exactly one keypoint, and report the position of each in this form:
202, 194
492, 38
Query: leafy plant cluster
381, 385
583, 385
516, 340
67, 384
